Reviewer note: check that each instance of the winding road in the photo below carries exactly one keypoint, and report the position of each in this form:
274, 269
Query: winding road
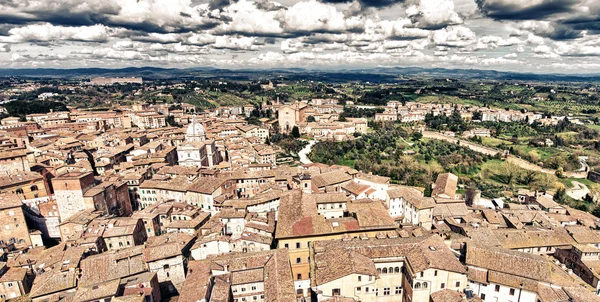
303, 154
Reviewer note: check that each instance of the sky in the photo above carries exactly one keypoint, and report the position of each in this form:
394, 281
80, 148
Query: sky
539, 36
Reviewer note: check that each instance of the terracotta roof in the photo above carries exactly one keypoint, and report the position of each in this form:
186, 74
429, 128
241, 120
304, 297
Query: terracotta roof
421, 253
447, 295
526, 238
52, 282
112, 265
340, 262
330, 178
513, 263
583, 234
445, 186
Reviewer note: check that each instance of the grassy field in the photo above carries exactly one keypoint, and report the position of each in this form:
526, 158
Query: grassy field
494, 142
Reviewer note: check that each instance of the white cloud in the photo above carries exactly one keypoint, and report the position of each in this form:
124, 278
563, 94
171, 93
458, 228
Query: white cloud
48, 33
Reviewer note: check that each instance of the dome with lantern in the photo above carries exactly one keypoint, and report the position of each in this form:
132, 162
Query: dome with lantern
195, 131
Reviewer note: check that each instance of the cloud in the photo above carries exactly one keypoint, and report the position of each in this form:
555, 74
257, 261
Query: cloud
525, 9
368, 3
454, 36
163, 16
433, 14
313, 16
49, 33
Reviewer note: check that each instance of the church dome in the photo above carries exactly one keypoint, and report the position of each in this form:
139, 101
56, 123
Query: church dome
195, 131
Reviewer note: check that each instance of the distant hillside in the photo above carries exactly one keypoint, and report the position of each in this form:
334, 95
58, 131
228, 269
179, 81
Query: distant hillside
373, 75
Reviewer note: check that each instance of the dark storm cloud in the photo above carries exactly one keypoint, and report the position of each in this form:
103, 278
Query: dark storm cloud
77, 13
368, 3
508, 10
562, 32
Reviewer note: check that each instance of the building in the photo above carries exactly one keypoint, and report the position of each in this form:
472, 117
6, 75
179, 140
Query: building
12, 162
14, 229
166, 255
291, 115
260, 276
197, 150
69, 190
386, 268
111, 81
28, 185
15, 282
299, 225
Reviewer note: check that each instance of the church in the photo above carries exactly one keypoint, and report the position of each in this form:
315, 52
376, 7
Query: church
197, 150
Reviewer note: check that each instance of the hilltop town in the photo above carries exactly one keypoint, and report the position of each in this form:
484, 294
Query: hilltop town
118, 189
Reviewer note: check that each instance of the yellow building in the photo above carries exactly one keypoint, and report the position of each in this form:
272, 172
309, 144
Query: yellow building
386, 268
27, 185
291, 115
299, 225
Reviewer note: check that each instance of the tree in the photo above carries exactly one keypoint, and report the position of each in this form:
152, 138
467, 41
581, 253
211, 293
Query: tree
295, 132
560, 196
342, 118
596, 211
267, 141
415, 136
428, 191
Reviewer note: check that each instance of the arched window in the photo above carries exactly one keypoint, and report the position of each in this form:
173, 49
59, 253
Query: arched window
385, 270
396, 270
379, 271
33, 188
417, 285
391, 270
424, 284
19, 191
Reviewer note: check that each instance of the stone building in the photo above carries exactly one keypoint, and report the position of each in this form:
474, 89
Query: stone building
14, 228
69, 190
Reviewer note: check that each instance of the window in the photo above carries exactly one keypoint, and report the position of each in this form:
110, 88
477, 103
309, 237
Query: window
359, 278
417, 285
298, 292
287, 246
9, 285
497, 289
511, 292
422, 274
443, 285
425, 284
435, 273
384, 270
483, 297
243, 288
166, 266
335, 292
366, 289
358, 289
386, 291
253, 287
398, 290
298, 260
457, 283
299, 276
396, 269
379, 271
297, 245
